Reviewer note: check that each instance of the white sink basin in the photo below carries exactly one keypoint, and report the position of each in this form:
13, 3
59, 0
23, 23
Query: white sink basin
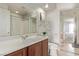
33, 37
9, 46
10, 42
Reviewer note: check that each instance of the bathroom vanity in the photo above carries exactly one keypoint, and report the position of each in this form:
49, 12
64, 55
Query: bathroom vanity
14, 26
37, 49
31, 46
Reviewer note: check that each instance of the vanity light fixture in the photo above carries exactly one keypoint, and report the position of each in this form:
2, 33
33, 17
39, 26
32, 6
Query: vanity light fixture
46, 6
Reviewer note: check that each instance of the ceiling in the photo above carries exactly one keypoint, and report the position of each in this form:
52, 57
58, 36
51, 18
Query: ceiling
26, 8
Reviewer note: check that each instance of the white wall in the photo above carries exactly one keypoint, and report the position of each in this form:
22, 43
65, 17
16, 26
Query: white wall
77, 29
16, 24
41, 24
26, 26
65, 6
4, 22
3, 6
54, 24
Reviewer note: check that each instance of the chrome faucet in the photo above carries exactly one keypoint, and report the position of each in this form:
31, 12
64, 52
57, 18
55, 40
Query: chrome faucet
24, 37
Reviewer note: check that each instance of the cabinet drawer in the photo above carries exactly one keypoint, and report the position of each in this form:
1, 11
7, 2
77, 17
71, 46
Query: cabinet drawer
35, 49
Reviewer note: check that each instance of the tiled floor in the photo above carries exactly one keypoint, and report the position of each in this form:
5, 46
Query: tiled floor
66, 49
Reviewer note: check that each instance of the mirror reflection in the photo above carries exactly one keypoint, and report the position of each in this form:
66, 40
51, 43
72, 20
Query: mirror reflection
69, 25
18, 19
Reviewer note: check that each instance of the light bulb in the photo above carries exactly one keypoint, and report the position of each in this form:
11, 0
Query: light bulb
17, 11
46, 6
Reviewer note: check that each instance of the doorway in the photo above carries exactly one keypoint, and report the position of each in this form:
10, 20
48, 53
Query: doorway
69, 30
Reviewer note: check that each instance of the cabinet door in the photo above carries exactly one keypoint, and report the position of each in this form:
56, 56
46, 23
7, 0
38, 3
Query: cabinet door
35, 50
45, 47
16, 53
25, 51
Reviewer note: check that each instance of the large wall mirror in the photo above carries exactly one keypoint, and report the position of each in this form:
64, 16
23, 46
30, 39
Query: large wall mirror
20, 21
29, 24
23, 26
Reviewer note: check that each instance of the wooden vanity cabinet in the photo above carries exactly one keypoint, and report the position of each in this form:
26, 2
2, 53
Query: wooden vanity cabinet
37, 49
21, 52
16, 53
45, 47
25, 52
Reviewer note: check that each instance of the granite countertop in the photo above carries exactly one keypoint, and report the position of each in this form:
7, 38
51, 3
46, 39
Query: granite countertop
11, 45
